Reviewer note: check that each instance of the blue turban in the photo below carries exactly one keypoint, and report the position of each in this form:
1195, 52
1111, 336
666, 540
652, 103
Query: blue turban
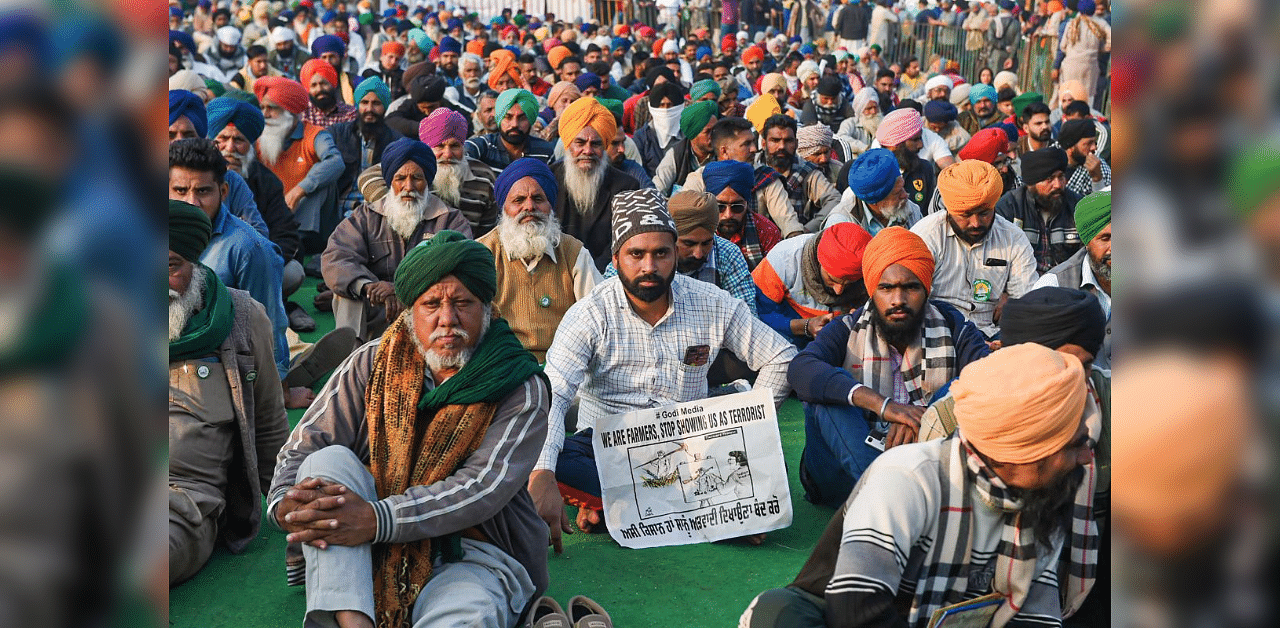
873, 174
516, 97
390, 22
738, 175
183, 103
1087, 7
703, 51
455, 22
405, 149
807, 49
225, 110
404, 26
940, 111
587, 79
327, 43
519, 169
515, 50
372, 84
449, 44
175, 12
1010, 131
184, 38
328, 16
980, 91
620, 43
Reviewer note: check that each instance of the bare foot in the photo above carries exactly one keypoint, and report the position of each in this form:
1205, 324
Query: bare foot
588, 519
754, 539
298, 398
352, 619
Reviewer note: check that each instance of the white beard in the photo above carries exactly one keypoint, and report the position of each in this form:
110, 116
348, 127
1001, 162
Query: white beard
448, 182
472, 84
528, 240
895, 213
402, 217
246, 159
870, 123
437, 361
582, 187
274, 135
182, 306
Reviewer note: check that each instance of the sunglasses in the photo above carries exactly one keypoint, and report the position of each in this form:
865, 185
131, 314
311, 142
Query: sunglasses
734, 208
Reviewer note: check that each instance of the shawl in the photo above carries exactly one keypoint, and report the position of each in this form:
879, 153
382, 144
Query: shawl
927, 364
209, 326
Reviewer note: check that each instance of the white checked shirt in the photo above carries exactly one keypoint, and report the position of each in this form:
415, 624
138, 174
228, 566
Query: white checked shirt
622, 364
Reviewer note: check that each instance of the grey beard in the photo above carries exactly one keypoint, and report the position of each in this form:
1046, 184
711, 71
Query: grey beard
274, 135
472, 84
403, 218
182, 306
891, 214
1101, 268
870, 123
448, 182
528, 240
246, 159
583, 187
437, 361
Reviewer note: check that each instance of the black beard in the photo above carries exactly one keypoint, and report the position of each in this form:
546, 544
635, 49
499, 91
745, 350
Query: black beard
780, 161
729, 227
1051, 203
1046, 136
1049, 509
1077, 158
366, 128
897, 334
688, 265
648, 295
515, 137
1008, 179
906, 159
968, 236
325, 101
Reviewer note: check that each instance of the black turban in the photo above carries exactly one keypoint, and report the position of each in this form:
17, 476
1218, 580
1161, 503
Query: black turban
1054, 317
427, 88
1039, 165
1075, 130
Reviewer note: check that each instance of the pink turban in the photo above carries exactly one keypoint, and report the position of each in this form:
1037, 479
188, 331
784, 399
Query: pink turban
442, 124
899, 126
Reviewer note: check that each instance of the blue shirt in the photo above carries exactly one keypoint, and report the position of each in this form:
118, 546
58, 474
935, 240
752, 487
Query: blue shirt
490, 150
637, 171
242, 205
246, 260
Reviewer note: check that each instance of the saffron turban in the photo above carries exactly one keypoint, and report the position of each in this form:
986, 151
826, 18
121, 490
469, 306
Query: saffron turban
873, 174
314, 67
981, 91
940, 80
704, 87
899, 126
560, 90
760, 110
442, 124
692, 209
969, 184
695, 117
896, 245
1093, 214
754, 53
449, 44
771, 80
393, 48
740, 176
1075, 88
522, 98
986, 145
1039, 165
404, 150
1054, 317
519, 169
327, 43
556, 55
813, 139
245, 117
476, 47
1020, 404
189, 230
372, 84
586, 112
284, 92
504, 64
841, 248
446, 253
184, 104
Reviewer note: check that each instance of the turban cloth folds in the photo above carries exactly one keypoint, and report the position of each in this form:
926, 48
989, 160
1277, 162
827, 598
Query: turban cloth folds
446, 253
373, 84
704, 87
393, 48
1021, 101
449, 44
970, 184
327, 43
692, 209
184, 104
813, 139
284, 92
244, 116
940, 80
873, 174
695, 117
404, 150
896, 245
980, 91
189, 230
314, 67
1054, 317
960, 94
754, 53
899, 126
1021, 403
760, 110
442, 124
1093, 214
772, 80
586, 112
556, 55
519, 169
522, 98
986, 145
841, 248
1075, 130
1039, 165
718, 175
504, 64
476, 47
587, 80
561, 90
940, 111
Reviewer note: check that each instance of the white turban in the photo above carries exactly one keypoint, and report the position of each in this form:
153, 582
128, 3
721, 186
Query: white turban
960, 94
940, 80
229, 35
669, 46
282, 34
1003, 78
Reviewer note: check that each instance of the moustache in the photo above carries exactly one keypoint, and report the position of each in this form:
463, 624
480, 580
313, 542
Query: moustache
449, 331
902, 309
174, 295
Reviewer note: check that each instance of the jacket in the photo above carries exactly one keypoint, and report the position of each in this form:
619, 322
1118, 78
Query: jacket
854, 21
594, 228
651, 151
1053, 243
346, 136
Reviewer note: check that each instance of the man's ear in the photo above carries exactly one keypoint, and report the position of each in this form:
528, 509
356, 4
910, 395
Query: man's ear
223, 189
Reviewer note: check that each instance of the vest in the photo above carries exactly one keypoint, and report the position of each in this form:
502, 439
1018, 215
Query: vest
296, 160
534, 303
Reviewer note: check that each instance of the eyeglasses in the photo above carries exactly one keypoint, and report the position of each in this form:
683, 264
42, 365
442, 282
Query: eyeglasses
734, 208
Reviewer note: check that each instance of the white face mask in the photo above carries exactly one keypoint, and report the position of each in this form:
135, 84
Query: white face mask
666, 122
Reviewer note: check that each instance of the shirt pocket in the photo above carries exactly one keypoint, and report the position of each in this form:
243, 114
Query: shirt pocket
691, 381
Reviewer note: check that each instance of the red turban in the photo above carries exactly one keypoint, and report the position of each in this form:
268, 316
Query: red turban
728, 44
393, 48
317, 66
657, 47
841, 249
510, 31
969, 184
896, 245
986, 145
282, 91
752, 53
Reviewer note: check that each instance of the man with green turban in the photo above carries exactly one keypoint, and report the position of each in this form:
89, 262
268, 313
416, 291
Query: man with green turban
691, 152
226, 406
514, 112
429, 436
1090, 268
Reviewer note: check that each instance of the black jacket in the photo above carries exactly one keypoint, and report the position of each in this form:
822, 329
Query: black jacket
651, 152
268, 193
854, 21
346, 136
595, 227
1053, 243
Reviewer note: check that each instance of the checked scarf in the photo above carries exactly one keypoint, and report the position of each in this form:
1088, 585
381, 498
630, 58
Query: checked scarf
928, 363
1031, 593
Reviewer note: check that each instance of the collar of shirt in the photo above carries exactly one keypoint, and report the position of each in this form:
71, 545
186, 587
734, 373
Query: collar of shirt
220, 223
619, 293
950, 233
1087, 278
707, 271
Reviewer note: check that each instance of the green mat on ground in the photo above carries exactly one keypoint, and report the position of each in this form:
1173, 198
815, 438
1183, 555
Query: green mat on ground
694, 586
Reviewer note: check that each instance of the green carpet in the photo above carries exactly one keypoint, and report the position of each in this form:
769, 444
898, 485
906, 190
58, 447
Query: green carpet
691, 586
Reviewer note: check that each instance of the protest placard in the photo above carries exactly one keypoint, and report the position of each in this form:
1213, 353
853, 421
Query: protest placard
693, 472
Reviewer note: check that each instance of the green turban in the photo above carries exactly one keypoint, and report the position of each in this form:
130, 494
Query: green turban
189, 230
1021, 101
1093, 214
614, 107
516, 97
695, 117
1254, 177
704, 87
447, 253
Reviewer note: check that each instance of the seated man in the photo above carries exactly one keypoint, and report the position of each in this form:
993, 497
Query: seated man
1044, 208
644, 339
366, 248
869, 374
691, 152
876, 197
754, 234
226, 407
808, 280
514, 112
989, 510
541, 270
461, 182
1090, 268
811, 195
374, 497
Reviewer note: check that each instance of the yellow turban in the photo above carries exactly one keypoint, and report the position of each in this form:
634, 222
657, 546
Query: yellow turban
760, 110
587, 112
969, 184
1021, 403
556, 55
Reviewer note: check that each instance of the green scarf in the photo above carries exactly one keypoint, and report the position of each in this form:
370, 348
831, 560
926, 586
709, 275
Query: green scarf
208, 326
499, 365
56, 327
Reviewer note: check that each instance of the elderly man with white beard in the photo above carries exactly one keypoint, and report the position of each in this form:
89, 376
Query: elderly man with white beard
862, 128
876, 198
586, 179
541, 270
365, 250
463, 183
466, 95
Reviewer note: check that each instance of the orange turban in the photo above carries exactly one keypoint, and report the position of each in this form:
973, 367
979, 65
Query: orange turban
969, 184
317, 66
504, 64
760, 110
476, 47
657, 47
896, 245
498, 54
556, 55
1021, 403
587, 112
841, 249
393, 48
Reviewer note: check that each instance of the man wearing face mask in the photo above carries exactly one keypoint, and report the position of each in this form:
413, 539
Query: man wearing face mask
1044, 208
660, 134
